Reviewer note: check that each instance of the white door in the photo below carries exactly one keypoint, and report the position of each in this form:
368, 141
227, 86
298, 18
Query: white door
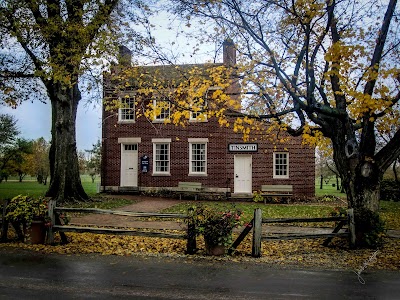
243, 174
129, 165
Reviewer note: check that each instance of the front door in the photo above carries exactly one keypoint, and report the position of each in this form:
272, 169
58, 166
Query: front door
129, 164
243, 174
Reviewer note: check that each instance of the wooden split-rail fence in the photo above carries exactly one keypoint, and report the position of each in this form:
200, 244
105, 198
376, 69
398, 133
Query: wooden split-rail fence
55, 211
256, 225
259, 236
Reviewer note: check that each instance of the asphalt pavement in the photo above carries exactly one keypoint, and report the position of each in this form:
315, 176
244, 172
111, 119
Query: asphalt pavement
32, 275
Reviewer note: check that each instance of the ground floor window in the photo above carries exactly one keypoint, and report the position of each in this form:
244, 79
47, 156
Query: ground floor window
281, 165
161, 157
198, 158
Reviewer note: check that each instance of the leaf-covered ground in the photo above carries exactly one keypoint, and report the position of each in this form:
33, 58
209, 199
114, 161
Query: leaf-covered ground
295, 253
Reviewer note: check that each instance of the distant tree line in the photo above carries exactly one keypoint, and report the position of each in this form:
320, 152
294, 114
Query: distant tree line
21, 157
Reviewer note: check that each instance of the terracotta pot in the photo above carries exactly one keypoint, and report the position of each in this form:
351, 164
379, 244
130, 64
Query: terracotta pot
36, 233
216, 250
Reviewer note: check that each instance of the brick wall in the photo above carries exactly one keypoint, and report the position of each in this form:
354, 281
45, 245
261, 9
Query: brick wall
220, 163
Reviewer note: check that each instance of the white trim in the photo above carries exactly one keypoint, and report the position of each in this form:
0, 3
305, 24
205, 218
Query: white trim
132, 101
286, 176
157, 119
158, 140
133, 140
198, 140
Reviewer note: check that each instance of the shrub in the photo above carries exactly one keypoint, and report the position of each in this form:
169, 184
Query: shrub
390, 190
215, 226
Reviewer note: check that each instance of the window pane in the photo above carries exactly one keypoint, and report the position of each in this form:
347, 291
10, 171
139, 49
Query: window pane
127, 110
162, 158
281, 164
198, 158
162, 109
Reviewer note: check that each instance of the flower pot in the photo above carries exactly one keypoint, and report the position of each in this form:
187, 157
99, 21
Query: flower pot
214, 249
36, 233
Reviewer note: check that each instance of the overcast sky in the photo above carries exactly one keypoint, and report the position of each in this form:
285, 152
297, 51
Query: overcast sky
34, 118
34, 121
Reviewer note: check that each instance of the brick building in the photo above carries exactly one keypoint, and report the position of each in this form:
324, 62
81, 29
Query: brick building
149, 155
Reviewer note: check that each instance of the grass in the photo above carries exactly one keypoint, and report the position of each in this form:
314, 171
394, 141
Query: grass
390, 211
327, 189
31, 187
268, 210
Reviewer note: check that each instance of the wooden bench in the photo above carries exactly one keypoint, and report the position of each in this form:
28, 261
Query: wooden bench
269, 191
189, 187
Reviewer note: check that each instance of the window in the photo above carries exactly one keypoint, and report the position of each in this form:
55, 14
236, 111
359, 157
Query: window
161, 156
201, 104
281, 165
130, 147
198, 157
161, 109
126, 113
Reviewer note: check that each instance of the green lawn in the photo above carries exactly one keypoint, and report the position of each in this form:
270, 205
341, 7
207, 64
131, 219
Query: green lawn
268, 210
327, 188
390, 211
29, 186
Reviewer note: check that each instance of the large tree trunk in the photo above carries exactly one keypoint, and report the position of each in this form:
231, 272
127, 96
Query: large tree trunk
65, 182
361, 179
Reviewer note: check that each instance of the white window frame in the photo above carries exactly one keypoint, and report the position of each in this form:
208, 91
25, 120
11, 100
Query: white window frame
276, 163
161, 142
127, 111
194, 115
196, 141
165, 113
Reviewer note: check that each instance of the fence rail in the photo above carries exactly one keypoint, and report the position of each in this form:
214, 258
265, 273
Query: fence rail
190, 235
54, 211
258, 236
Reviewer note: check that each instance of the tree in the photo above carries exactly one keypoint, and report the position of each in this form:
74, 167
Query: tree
94, 162
8, 135
39, 160
15, 157
317, 68
50, 46
19, 163
8, 130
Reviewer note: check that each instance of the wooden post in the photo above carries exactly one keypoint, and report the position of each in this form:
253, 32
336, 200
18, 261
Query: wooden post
257, 229
241, 237
336, 230
50, 233
191, 233
352, 227
4, 223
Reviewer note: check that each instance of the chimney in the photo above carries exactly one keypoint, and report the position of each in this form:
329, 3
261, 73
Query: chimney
229, 53
125, 56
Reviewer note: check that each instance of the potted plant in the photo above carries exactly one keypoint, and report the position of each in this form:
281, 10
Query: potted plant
216, 227
32, 215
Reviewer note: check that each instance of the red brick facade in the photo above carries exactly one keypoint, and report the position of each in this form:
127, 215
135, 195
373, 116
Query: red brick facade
219, 163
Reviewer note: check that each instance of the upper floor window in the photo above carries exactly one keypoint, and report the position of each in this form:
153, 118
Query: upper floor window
281, 165
161, 108
126, 113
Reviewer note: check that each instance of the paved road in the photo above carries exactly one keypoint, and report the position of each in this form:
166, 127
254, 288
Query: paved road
27, 275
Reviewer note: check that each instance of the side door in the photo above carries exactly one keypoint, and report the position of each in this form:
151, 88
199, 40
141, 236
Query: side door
129, 165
